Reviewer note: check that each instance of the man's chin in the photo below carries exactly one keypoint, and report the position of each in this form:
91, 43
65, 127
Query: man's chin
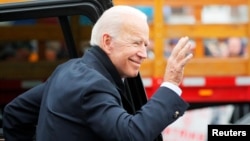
133, 75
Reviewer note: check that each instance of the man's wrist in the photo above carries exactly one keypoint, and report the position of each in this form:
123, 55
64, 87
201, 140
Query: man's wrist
173, 87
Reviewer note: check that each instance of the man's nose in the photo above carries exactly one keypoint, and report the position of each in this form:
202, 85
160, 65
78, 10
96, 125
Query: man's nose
143, 53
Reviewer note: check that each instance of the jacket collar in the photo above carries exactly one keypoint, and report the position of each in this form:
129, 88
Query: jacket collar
104, 65
101, 62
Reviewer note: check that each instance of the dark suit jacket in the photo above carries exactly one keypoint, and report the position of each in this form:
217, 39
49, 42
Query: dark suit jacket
83, 100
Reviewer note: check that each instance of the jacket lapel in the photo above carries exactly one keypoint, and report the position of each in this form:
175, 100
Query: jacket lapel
106, 67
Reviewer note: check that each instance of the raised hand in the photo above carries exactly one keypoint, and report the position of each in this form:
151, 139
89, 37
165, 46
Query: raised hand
179, 57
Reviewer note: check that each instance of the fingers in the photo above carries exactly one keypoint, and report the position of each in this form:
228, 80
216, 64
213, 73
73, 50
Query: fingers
185, 54
179, 57
182, 49
182, 42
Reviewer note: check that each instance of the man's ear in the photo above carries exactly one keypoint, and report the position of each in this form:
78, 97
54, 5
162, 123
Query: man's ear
106, 43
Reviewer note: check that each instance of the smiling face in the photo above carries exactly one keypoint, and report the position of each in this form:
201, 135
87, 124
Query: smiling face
129, 48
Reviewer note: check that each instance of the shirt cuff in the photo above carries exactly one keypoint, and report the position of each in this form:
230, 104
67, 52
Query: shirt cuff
173, 87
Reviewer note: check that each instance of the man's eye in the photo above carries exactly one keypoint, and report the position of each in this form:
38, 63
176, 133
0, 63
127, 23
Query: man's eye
137, 43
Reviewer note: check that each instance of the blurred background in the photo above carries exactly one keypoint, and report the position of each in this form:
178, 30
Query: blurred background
216, 82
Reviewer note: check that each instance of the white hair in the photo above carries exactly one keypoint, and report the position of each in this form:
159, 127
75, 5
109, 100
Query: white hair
112, 20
